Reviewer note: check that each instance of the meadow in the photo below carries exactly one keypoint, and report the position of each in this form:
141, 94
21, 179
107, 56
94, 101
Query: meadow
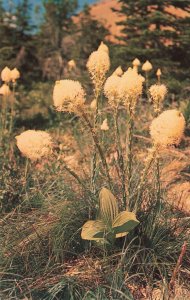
94, 186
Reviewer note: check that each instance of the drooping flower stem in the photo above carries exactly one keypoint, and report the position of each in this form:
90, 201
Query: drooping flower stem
97, 144
120, 156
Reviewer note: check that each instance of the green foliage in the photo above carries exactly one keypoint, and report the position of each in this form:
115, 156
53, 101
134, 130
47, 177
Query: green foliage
110, 224
152, 32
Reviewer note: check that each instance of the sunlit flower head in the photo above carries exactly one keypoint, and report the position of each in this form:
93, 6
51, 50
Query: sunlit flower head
103, 47
118, 71
130, 89
104, 125
98, 64
69, 96
71, 64
34, 144
111, 90
158, 93
5, 90
147, 66
15, 74
136, 62
6, 74
158, 73
168, 128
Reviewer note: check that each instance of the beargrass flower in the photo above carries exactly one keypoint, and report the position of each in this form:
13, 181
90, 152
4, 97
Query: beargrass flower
98, 64
34, 144
15, 74
71, 64
5, 90
136, 62
130, 89
6, 75
104, 125
69, 96
168, 128
158, 73
158, 93
147, 66
111, 90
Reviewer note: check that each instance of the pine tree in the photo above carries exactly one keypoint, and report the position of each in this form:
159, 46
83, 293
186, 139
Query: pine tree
151, 30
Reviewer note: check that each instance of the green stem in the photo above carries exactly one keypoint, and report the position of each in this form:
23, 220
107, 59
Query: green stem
129, 156
97, 144
120, 157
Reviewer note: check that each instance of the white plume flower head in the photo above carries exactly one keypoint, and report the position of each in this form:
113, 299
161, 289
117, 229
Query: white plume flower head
5, 90
136, 62
158, 93
104, 125
118, 71
111, 90
98, 64
147, 66
158, 72
34, 144
168, 128
130, 89
68, 96
103, 47
6, 75
15, 74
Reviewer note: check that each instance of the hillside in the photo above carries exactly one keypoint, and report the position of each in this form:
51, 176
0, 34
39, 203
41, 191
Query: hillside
103, 12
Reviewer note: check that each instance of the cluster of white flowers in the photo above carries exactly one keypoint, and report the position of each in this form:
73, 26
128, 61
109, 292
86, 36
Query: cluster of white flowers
168, 128
130, 89
69, 96
111, 90
158, 93
5, 90
34, 144
98, 64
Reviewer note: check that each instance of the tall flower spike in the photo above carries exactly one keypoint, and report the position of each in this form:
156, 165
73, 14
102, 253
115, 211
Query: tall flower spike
147, 66
69, 96
98, 64
34, 144
111, 90
168, 128
158, 93
130, 89
6, 75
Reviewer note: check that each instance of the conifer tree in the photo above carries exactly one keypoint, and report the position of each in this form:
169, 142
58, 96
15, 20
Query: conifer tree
151, 29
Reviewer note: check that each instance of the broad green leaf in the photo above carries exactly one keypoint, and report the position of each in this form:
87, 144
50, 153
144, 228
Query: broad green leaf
124, 223
108, 206
93, 230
